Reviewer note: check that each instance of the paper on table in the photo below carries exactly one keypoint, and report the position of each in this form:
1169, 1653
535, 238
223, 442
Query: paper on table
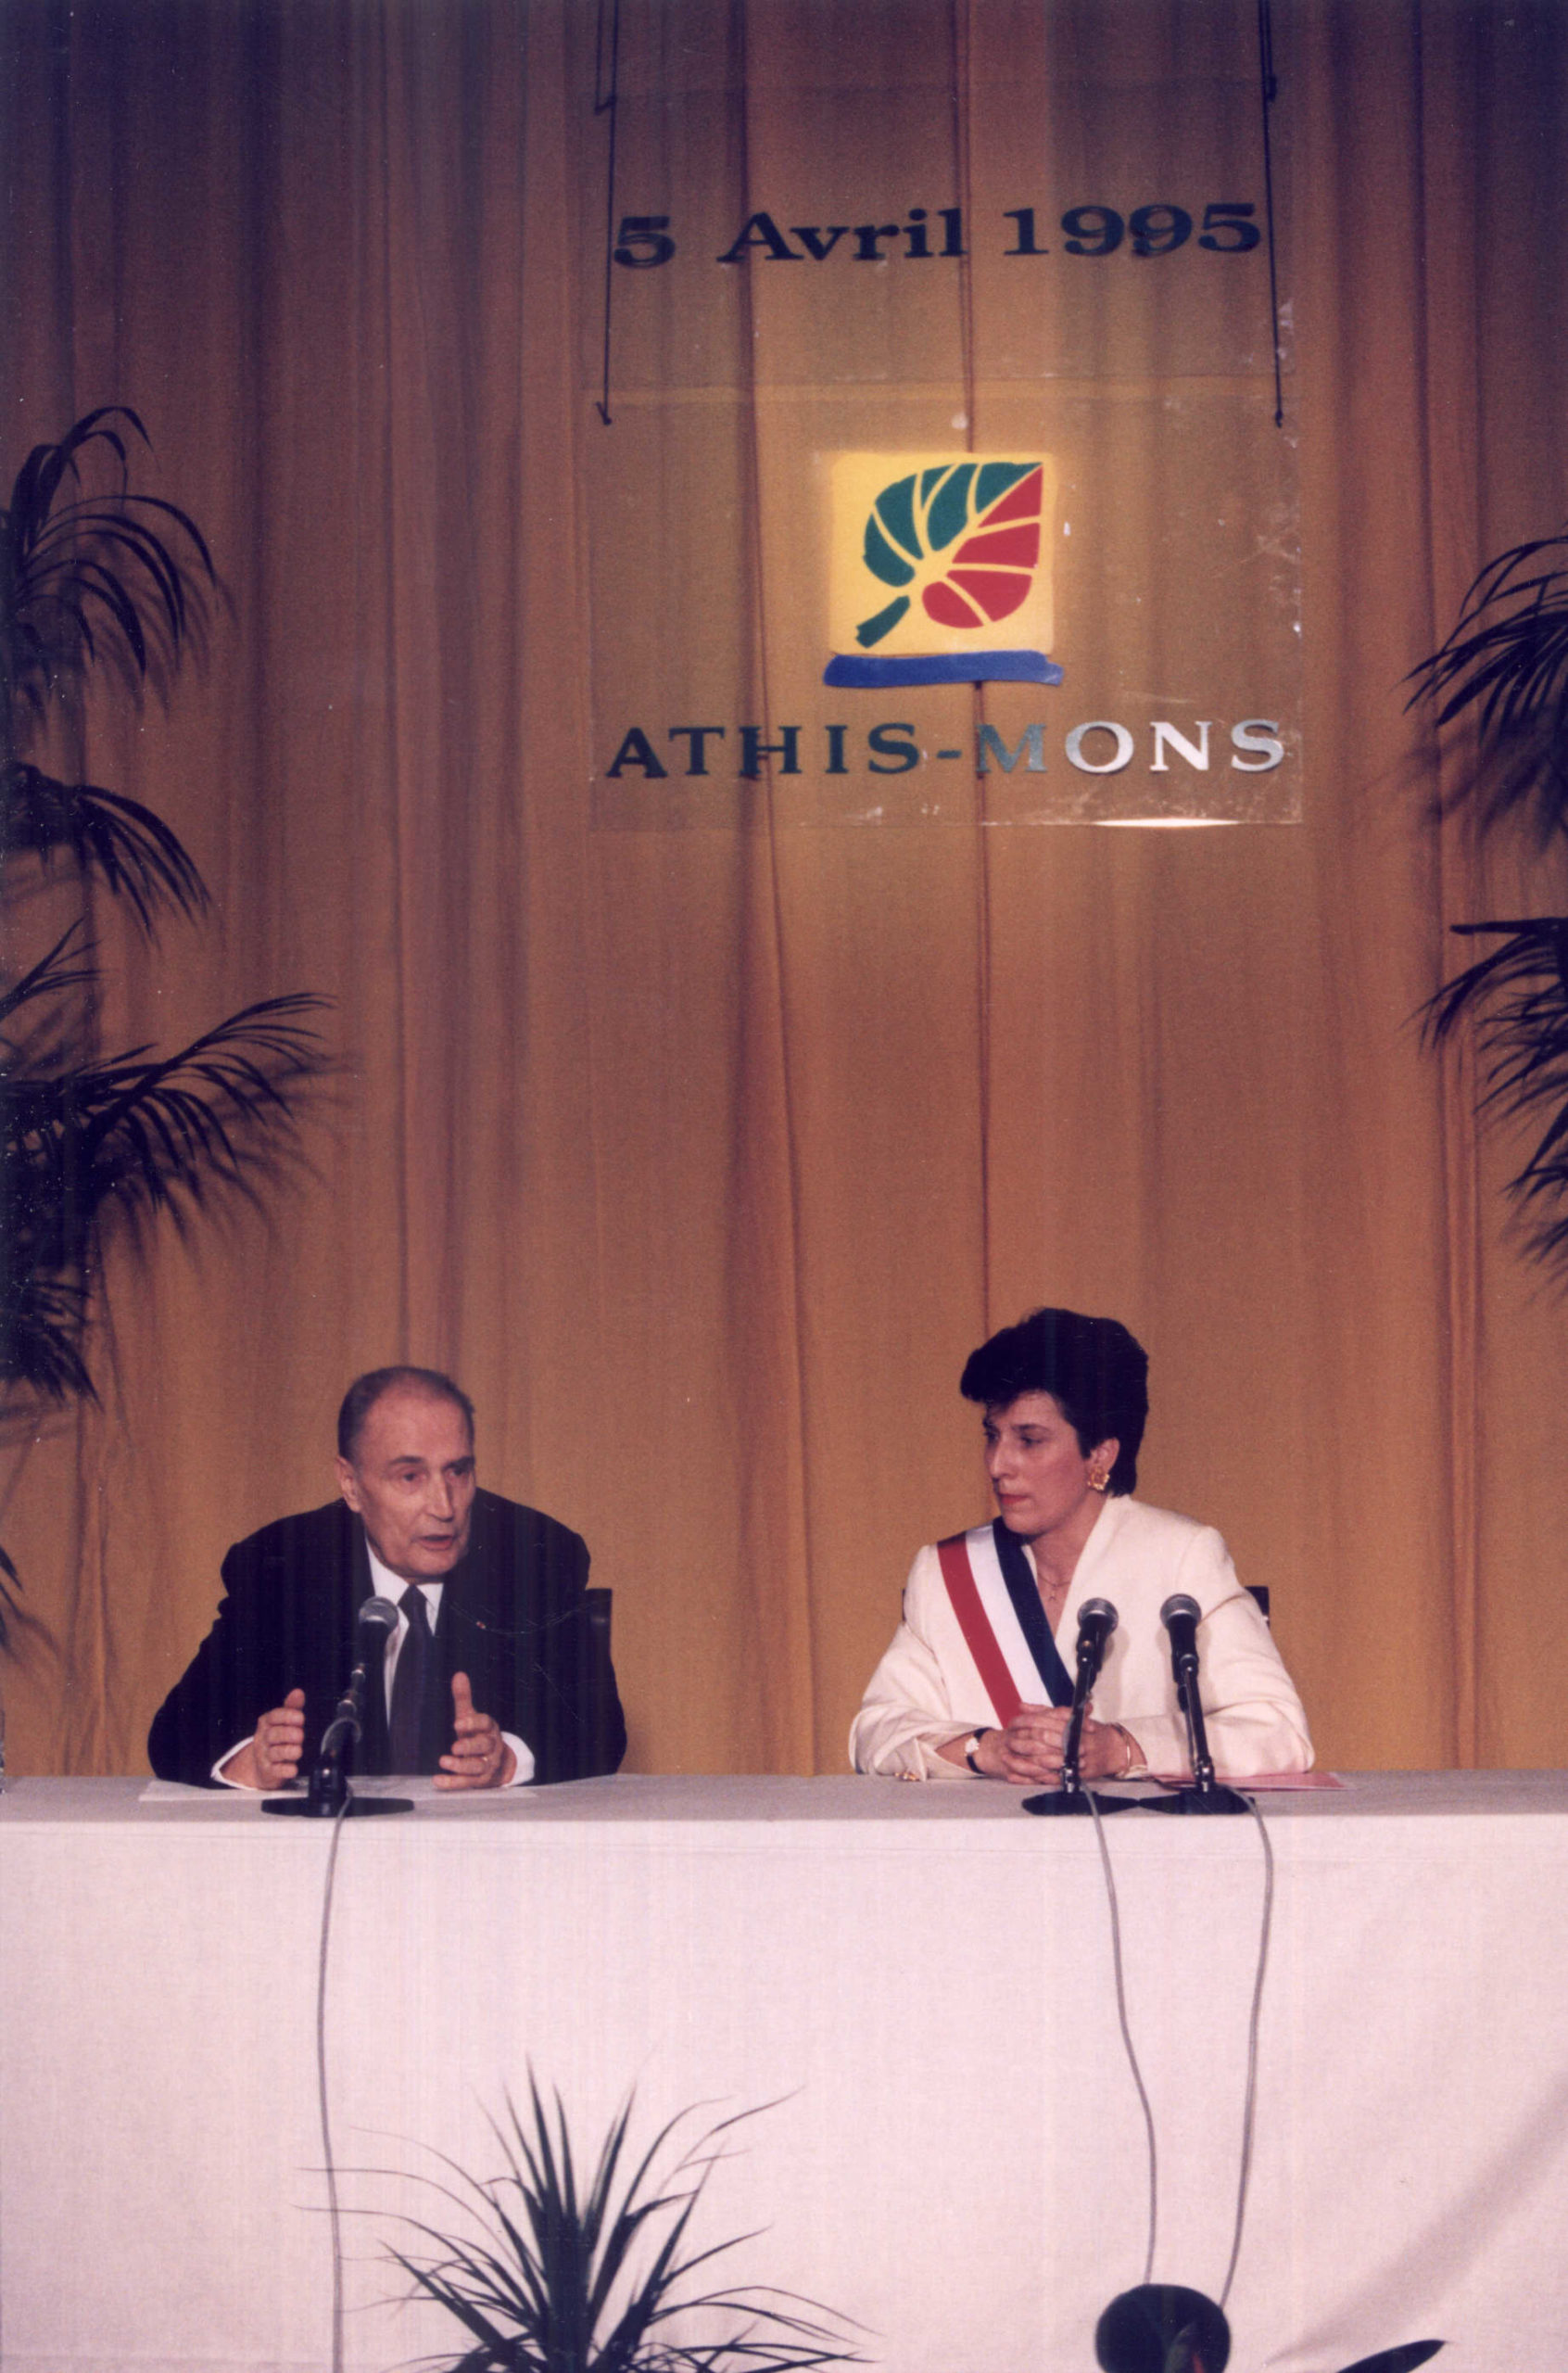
1275, 1779
422, 1790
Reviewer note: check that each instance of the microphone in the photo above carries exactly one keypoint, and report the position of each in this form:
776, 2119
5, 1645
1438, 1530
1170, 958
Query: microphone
1096, 1621
375, 1625
329, 1794
1180, 1617
377, 1621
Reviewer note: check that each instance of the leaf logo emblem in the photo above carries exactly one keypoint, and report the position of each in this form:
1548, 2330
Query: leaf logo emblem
963, 540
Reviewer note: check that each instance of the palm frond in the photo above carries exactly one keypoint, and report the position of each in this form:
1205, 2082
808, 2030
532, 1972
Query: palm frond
113, 578
134, 852
10, 1583
560, 2280
1398, 2360
50, 977
133, 1134
1518, 995
1507, 663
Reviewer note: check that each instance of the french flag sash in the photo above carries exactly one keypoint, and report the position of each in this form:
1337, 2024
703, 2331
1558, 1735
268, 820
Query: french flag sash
997, 1602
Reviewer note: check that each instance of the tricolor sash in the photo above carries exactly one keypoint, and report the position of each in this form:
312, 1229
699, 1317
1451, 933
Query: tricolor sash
998, 1605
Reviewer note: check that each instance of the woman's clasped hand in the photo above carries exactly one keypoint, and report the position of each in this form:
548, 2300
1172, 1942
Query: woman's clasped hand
1029, 1749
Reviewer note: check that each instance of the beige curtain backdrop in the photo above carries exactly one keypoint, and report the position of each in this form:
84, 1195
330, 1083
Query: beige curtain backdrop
704, 1157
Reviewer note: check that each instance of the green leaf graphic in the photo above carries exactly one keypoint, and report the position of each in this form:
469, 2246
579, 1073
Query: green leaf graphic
895, 508
880, 557
871, 630
949, 512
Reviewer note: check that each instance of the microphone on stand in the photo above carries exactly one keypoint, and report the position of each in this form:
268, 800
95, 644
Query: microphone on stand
1096, 1621
1180, 1617
375, 1625
328, 1793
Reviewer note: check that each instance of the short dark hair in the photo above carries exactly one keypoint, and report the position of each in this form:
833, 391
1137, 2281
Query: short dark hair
366, 1390
1097, 1372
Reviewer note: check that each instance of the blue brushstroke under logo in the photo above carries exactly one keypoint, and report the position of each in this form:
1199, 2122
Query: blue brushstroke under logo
864, 673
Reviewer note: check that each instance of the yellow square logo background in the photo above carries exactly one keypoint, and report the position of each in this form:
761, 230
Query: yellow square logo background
856, 593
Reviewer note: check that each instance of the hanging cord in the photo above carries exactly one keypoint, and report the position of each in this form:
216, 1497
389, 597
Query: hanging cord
333, 2219
1250, 2105
1269, 91
1126, 2034
1250, 2109
607, 102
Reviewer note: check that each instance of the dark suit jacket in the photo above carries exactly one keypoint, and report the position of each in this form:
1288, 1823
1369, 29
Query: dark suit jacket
514, 1617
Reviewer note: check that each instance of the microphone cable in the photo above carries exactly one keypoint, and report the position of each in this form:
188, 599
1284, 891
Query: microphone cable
1249, 2107
330, 2165
1127, 2032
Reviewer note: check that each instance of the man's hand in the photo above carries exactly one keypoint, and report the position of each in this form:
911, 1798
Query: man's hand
480, 1758
271, 1757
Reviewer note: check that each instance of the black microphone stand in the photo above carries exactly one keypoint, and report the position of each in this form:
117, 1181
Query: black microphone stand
1072, 1796
328, 1793
1205, 1796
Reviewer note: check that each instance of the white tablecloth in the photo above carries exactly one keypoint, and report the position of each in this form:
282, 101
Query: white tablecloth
919, 1978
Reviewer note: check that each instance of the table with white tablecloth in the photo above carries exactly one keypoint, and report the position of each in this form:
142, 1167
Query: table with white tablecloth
918, 1980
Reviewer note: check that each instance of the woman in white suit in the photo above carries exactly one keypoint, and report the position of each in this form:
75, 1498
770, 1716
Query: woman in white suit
975, 1683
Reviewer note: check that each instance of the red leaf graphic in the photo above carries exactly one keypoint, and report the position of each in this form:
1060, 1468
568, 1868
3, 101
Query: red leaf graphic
1022, 503
992, 571
998, 596
948, 608
1000, 547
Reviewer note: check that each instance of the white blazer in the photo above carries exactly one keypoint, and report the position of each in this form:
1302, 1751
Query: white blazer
928, 1689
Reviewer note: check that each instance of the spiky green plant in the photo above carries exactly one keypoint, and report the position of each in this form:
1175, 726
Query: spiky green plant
1518, 996
99, 578
137, 1135
1504, 670
91, 578
1506, 664
545, 2276
1398, 2360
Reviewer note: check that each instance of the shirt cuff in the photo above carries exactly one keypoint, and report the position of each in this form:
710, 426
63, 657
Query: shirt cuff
228, 1756
523, 1756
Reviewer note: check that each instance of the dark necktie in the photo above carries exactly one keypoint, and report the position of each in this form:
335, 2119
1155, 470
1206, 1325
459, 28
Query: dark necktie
408, 1682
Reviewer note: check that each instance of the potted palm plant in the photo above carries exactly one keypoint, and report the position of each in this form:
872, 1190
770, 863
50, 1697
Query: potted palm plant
1504, 670
100, 580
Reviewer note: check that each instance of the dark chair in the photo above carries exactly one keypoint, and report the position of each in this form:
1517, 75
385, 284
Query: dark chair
598, 1610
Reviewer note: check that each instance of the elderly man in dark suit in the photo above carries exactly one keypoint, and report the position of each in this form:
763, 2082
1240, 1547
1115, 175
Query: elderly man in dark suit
494, 1674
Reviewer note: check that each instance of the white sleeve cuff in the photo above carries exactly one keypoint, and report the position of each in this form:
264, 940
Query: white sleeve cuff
217, 1771
524, 1754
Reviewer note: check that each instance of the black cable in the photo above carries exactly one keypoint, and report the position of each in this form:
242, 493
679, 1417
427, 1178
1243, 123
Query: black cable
332, 2215
1126, 2034
608, 103
1251, 2105
1269, 90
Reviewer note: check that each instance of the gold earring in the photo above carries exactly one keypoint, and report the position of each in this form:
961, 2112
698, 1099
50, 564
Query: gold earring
1099, 1482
